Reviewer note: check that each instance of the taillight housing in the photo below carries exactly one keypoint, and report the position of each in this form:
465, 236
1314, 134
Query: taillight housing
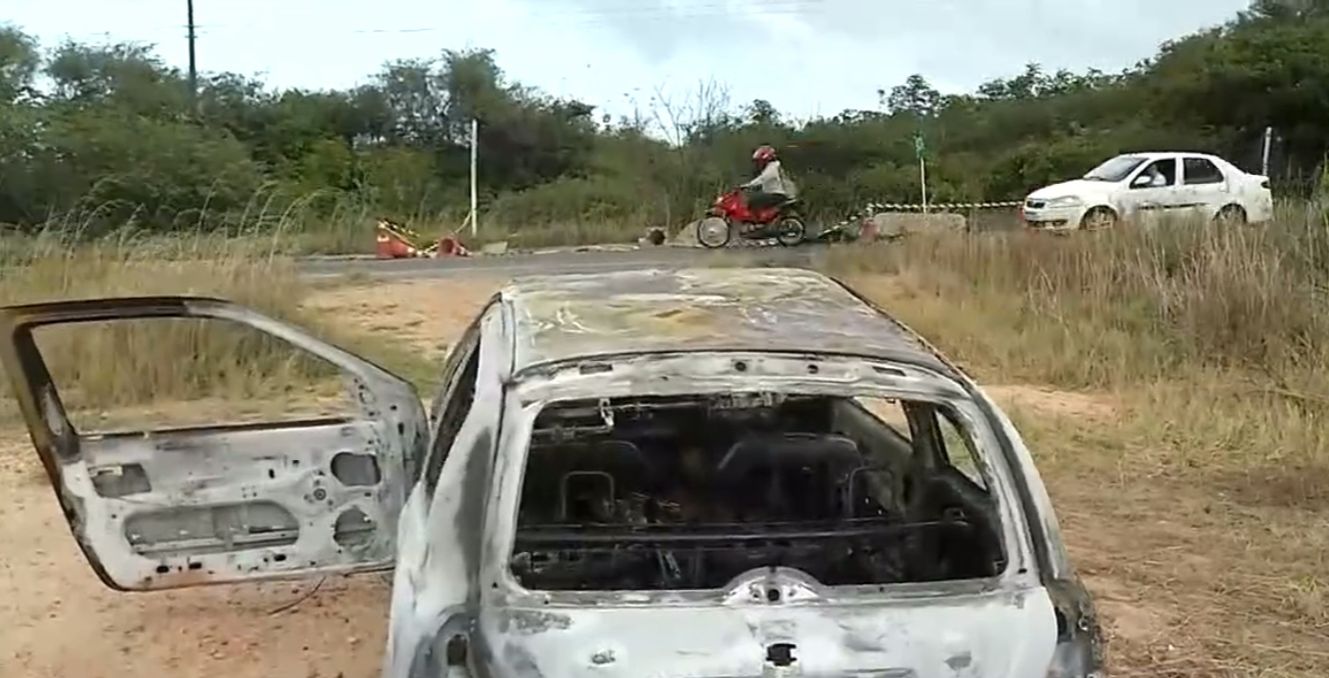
1079, 650
1073, 658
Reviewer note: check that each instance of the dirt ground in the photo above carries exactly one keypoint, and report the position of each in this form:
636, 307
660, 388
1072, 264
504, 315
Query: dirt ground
427, 314
61, 621
1189, 582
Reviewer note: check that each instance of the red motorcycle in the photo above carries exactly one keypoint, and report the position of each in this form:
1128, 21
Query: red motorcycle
730, 212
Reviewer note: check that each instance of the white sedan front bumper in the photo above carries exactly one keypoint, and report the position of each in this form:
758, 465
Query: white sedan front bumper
1052, 218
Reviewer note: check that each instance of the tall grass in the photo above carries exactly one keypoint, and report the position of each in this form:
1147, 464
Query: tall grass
112, 365
349, 232
1133, 304
538, 235
1218, 337
1201, 486
271, 222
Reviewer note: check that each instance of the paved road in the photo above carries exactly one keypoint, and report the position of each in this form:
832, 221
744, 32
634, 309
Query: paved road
513, 265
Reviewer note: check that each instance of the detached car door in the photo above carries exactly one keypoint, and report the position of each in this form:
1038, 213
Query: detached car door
159, 509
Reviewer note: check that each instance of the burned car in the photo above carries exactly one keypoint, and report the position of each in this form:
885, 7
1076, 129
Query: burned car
749, 472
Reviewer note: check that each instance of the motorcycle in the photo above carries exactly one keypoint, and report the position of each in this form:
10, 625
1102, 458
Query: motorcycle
730, 212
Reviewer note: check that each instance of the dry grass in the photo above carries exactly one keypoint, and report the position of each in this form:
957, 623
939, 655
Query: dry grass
346, 234
274, 220
1200, 512
340, 237
1190, 468
1186, 316
426, 316
116, 365
1137, 303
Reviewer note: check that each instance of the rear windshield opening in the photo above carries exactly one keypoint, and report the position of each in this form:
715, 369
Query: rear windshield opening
691, 492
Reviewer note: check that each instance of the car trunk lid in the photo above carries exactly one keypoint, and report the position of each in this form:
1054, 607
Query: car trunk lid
997, 633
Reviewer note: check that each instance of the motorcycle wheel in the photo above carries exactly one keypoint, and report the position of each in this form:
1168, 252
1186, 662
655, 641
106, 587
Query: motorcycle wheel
791, 231
713, 233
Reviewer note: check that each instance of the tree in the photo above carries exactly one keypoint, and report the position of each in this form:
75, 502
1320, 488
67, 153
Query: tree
1286, 9
412, 102
473, 88
18, 64
123, 75
110, 135
120, 168
761, 112
915, 97
1248, 76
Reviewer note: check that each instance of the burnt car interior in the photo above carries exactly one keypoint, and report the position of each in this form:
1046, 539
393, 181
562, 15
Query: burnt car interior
689, 492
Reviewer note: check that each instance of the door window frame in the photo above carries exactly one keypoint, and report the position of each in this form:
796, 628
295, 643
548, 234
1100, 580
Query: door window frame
453, 404
1186, 174
99, 520
1176, 174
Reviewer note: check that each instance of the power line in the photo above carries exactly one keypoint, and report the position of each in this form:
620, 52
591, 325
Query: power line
585, 17
195, 30
692, 10
702, 9
722, 6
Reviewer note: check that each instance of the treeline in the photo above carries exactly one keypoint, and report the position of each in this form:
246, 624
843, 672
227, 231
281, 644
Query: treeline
101, 136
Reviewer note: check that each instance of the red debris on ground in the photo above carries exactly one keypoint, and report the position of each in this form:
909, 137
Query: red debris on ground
394, 241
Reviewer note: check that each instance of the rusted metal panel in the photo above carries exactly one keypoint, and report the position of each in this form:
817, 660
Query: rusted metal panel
774, 309
605, 336
168, 509
983, 635
436, 591
957, 628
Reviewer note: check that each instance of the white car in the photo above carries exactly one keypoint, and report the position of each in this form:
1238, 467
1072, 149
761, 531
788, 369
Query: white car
1138, 185
645, 473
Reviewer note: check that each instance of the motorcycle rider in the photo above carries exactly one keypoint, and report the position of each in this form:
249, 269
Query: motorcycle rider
771, 186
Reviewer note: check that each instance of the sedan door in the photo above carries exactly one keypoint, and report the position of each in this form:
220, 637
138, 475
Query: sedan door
1205, 188
170, 508
1154, 191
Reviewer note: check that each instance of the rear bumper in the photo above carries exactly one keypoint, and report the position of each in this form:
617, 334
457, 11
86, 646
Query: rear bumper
1260, 210
999, 633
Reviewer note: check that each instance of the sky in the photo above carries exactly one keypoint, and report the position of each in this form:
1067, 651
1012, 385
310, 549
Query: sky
808, 57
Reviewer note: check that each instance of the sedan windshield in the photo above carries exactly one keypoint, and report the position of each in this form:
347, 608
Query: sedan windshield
1115, 169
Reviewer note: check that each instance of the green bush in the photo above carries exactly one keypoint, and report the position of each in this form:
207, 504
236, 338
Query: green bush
575, 200
97, 137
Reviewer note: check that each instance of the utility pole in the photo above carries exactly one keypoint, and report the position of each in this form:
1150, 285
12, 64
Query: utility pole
193, 59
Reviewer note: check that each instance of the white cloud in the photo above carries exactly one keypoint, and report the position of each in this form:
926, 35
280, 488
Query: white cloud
806, 56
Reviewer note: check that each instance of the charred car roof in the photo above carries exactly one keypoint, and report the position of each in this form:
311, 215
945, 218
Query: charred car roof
571, 317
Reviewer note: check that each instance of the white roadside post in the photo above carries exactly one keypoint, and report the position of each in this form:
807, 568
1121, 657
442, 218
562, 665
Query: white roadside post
475, 144
922, 168
1268, 141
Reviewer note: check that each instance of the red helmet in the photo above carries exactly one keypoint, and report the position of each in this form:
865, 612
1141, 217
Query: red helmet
763, 155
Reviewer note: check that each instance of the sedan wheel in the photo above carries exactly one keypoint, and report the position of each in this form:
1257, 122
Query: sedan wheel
1231, 214
1098, 218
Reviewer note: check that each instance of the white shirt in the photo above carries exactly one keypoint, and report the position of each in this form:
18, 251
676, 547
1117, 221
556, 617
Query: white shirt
773, 180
